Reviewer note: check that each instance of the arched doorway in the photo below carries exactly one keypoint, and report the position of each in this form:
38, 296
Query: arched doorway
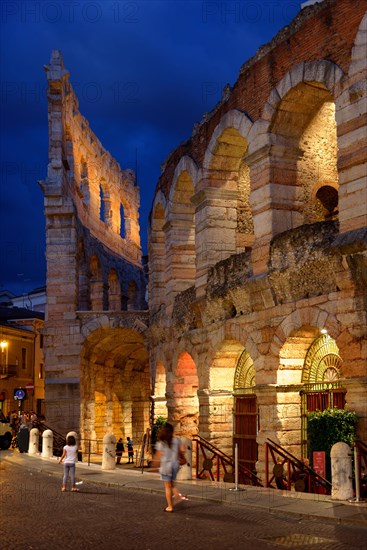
246, 417
115, 382
184, 409
321, 378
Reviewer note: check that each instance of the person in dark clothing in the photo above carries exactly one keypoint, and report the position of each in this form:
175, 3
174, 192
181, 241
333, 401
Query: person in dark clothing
119, 450
130, 451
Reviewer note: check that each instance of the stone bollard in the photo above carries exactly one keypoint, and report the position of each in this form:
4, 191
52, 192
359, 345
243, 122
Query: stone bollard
185, 471
341, 472
34, 437
47, 444
109, 452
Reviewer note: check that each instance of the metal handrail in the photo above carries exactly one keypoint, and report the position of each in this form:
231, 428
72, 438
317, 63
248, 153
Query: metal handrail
296, 470
222, 462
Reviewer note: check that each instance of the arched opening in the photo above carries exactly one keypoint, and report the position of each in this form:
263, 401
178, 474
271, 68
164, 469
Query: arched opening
84, 190
229, 171
184, 410
102, 206
105, 211
115, 382
114, 291
304, 159
216, 406
180, 238
96, 284
246, 421
159, 394
307, 380
322, 388
122, 222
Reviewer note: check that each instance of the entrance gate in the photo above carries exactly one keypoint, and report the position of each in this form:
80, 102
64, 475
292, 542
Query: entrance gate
322, 389
245, 430
245, 422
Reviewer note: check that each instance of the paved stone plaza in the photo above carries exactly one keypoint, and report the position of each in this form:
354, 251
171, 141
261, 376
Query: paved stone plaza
125, 509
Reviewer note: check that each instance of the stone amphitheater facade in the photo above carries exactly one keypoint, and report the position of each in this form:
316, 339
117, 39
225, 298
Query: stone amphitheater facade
257, 255
96, 359
258, 245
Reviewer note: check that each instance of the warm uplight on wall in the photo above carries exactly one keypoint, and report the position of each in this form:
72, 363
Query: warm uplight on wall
4, 356
3, 345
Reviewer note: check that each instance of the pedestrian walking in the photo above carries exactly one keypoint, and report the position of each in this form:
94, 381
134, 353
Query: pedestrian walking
169, 455
130, 450
119, 450
70, 457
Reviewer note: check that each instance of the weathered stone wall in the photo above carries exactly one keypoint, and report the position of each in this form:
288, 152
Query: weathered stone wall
94, 263
279, 186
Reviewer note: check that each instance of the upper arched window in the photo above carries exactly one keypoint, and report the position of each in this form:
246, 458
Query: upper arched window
122, 222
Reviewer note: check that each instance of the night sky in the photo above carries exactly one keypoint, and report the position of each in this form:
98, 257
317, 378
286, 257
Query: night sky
144, 73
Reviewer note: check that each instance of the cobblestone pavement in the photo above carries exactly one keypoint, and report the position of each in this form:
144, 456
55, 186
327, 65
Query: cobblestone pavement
36, 515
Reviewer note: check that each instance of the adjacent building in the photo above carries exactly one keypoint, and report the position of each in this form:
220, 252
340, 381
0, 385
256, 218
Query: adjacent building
21, 356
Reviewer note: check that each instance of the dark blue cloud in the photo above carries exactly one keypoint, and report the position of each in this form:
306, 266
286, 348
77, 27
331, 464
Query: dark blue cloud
144, 73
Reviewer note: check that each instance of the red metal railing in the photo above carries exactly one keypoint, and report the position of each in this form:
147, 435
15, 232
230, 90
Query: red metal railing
219, 465
287, 470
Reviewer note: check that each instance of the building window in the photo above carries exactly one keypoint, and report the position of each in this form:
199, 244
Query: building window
41, 341
40, 375
24, 358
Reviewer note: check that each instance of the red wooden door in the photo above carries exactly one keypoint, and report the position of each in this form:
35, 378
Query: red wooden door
245, 430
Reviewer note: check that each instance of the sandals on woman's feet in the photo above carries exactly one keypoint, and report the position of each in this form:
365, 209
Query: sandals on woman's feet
181, 497
63, 489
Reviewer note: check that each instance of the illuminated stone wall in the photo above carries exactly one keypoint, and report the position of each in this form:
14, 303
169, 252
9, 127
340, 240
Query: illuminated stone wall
94, 264
277, 245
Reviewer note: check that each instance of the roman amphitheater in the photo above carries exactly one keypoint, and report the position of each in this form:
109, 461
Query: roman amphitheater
255, 309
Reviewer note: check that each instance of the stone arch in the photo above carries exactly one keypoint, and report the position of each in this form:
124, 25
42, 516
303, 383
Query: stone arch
223, 195
216, 400
183, 402
115, 380
84, 189
157, 253
352, 140
223, 366
124, 226
323, 362
322, 72
311, 316
246, 413
237, 120
159, 391
293, 149
180, 231
228, 182
244, 376
359, 61
122, 231
105, 210
185, 164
